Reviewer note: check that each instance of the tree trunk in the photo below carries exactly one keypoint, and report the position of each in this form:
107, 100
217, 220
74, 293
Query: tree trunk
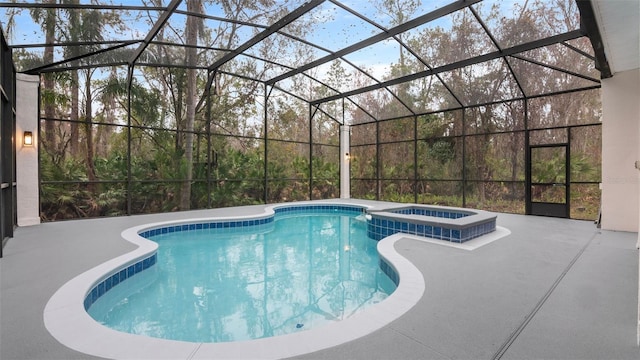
48, 82
75, 108
190, 102
74, 23
91, 169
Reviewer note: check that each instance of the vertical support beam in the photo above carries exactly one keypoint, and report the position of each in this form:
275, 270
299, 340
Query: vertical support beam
378, 182
527, 160
266, 148
464, 157
638, 242
345, 162
8, 148
27, 177
209, 157
310, 153
415, 159
129, 178
567, 177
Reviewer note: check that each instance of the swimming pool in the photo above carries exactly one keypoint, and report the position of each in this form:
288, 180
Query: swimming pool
66, 318
302, 270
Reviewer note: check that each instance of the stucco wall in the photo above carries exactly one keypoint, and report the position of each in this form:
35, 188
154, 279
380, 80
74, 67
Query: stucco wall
28, 194
620, 151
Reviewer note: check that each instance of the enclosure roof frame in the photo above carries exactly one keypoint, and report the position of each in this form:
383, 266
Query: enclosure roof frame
574, 34
588, 28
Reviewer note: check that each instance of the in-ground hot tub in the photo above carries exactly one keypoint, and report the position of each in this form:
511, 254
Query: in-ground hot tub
439, 222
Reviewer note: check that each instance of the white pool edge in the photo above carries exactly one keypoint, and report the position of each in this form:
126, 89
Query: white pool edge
68, 322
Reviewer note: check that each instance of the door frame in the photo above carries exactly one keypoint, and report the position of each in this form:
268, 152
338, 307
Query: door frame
561, 210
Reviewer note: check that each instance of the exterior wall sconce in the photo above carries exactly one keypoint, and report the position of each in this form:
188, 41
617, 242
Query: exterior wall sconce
347, 156
27, 139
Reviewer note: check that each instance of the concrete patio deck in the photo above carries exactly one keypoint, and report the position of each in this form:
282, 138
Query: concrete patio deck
553, 289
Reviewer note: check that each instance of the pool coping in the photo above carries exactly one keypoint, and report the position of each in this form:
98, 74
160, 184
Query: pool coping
472, 218
66, 319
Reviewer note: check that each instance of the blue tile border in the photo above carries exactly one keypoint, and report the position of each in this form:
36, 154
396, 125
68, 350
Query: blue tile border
383, 224
376, 230
390, 271
205, 226
318, 209
116, 277
228, 224
447, 214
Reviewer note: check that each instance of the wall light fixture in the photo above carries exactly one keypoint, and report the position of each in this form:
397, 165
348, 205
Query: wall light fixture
27, 139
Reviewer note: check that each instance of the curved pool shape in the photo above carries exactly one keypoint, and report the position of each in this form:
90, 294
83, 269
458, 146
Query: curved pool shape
67, 320
213, 283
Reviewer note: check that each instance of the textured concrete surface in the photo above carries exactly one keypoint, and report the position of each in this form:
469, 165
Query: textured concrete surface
553, 289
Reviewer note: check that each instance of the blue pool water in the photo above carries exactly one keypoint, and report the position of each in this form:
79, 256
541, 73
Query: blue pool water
217, 285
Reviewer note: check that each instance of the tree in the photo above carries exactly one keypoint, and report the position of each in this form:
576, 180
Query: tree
192, 26
46, 18
399, 12
48, 79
